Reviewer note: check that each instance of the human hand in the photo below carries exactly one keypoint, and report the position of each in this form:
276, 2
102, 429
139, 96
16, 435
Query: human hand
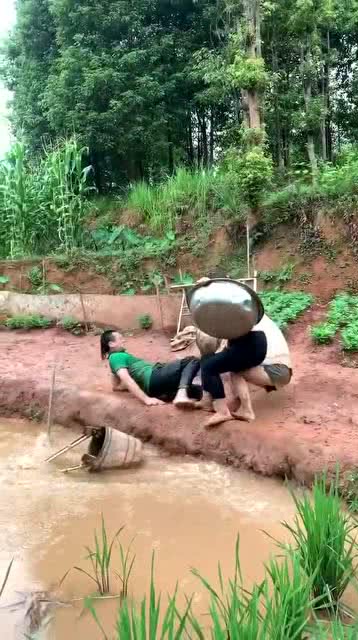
153, 402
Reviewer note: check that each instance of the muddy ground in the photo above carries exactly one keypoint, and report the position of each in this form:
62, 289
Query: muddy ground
298, 431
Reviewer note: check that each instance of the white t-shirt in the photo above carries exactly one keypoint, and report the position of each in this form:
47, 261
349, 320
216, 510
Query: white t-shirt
277, 347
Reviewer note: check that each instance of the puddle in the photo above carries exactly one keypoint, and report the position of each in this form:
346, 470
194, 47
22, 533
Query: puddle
188, 511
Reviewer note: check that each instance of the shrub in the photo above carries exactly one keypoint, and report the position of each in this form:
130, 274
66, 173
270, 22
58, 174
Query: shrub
145, 321
28, 322
350, 337
68, 323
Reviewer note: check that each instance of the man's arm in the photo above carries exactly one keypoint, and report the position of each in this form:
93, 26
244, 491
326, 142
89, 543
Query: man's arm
135, 390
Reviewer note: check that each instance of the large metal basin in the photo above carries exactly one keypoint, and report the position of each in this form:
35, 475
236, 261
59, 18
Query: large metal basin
224, 308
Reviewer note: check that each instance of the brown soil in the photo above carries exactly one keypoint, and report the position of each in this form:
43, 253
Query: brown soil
323, 275
298, 432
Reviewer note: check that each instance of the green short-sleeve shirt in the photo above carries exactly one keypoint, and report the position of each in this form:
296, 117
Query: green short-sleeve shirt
140, 370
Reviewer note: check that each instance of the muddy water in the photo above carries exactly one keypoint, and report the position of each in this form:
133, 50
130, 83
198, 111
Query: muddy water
189, 512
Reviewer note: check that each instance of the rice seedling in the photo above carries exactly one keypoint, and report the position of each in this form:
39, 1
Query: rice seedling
127, 563
101, 559
234, 613
146, 622
288, 607
322, 534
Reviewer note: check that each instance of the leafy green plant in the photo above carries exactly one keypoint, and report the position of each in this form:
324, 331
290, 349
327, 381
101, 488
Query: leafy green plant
35, 277
342, 316
285, 307
323, 333
323, 538
145, 321
280, 276
184, 278
28, 322
4, 280
350, 337
68, 323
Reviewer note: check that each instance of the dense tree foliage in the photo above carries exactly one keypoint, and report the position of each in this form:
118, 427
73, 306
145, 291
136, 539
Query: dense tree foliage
152, 84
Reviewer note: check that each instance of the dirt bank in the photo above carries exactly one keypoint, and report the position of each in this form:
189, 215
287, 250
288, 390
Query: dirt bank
297, 432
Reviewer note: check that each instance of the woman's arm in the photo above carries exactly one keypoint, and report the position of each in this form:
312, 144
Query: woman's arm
135, 390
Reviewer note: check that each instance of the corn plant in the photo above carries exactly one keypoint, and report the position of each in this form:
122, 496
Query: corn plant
42, 203
323, 538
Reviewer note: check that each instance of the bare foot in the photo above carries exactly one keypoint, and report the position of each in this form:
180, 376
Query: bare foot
204, 406
233, 405
217, 419
246, 416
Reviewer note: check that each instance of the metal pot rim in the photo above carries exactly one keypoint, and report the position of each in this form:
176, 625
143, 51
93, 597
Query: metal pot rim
255, 296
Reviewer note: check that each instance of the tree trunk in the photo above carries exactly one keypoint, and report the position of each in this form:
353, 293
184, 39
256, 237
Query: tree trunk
306, 61
212, 136
190, 141
253, 47
204, 138
170, 155
328, 100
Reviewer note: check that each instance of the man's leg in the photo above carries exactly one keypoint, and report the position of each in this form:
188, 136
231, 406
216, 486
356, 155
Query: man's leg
213, 389
241, 390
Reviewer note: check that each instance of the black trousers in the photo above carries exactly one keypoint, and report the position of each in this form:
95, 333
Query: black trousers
241, 354
166, 379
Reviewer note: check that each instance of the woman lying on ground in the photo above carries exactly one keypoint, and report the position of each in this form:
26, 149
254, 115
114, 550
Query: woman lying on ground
152, 384
261, 358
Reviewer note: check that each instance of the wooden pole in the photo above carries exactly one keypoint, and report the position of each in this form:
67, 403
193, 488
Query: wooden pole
85, 322
43, 277
160, 306
248, 247
50, 402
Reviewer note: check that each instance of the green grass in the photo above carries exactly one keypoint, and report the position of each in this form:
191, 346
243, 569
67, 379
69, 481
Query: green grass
28, 322
323, 538
284, 307
342, 317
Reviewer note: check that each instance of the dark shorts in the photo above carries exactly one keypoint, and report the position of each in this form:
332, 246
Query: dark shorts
279, 374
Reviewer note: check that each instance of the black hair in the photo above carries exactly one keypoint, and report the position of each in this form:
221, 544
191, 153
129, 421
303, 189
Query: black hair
106, 338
